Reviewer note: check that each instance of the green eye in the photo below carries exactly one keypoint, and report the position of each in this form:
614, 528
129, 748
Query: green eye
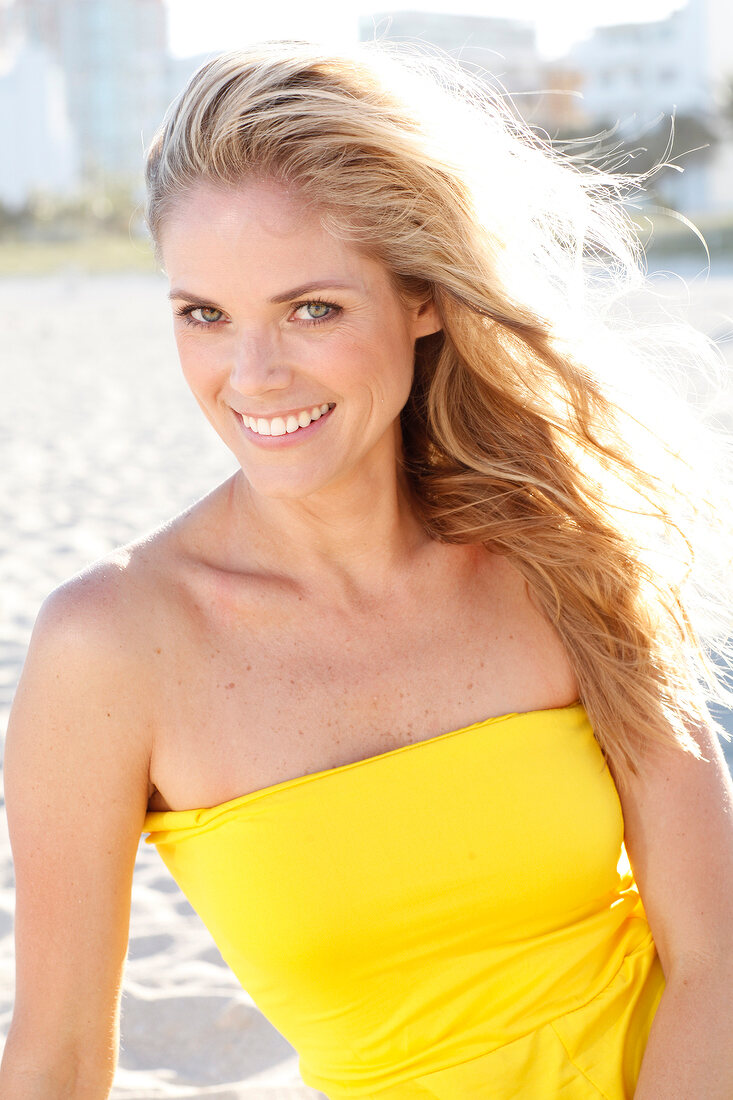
317, 309
209, 315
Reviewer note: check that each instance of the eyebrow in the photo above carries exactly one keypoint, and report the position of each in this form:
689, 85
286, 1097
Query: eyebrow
277, 299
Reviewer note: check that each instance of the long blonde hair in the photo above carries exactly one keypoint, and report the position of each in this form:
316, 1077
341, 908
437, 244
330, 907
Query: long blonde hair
520, 432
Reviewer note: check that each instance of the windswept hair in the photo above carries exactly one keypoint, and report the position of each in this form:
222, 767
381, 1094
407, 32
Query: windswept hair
524, 430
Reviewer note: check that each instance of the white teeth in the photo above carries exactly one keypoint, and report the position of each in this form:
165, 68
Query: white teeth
280, 425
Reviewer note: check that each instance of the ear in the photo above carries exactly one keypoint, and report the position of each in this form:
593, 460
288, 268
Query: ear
427, 319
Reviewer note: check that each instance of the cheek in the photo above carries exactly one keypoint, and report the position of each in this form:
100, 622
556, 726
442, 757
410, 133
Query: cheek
198, 362
399, 367
381, 357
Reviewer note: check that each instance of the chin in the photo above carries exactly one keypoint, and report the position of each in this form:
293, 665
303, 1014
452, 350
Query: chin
288, 487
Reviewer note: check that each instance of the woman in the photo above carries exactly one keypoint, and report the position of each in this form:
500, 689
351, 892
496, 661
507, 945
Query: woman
341, 692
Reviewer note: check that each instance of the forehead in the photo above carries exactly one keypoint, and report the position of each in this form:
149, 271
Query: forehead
261, 228
269, 204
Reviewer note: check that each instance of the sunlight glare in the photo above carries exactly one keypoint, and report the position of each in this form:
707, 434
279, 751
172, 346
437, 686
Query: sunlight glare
335, 22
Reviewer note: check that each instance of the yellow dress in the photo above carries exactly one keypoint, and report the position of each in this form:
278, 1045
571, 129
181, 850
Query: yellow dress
452, 919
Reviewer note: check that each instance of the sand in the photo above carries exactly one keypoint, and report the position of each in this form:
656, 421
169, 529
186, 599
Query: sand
101, 441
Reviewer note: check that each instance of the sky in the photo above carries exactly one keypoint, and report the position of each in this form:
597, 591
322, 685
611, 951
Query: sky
221, 24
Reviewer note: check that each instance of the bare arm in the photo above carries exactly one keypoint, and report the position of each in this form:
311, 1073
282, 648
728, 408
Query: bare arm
679, 825
76, 779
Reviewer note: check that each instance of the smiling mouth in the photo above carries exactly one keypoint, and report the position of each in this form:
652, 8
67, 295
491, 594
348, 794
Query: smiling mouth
285, 425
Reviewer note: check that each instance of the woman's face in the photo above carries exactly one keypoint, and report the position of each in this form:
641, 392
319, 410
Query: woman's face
296, 346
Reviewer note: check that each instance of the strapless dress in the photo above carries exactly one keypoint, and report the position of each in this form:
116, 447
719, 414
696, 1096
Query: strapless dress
453, 919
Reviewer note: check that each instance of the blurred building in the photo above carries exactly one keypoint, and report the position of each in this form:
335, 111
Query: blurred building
637, 77
40, 151
558, 106
632, 73
112, 57
84, 84
629, 78
505, 50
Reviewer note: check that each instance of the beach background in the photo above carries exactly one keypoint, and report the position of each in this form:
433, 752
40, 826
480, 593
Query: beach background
101, 441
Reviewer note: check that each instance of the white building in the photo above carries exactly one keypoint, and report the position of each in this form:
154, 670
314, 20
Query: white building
113, 56
505, 49
39, 149
634, 72
635, 75
716, 18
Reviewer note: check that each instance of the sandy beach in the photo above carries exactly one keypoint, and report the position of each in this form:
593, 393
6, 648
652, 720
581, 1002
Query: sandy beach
102, 441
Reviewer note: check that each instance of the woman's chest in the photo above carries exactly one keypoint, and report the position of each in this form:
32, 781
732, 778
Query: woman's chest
297, 691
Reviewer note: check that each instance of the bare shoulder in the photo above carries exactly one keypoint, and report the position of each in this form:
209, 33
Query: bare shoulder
88, 687
543, 664
95, 612
100, 635
79, 698
115, 609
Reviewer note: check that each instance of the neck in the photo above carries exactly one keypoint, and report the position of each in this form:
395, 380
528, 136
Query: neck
357, 535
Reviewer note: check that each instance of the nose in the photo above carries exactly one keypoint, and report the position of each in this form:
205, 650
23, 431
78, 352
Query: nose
258, 364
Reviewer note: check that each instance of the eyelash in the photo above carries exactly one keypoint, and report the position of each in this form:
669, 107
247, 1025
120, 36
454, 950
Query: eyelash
186, 311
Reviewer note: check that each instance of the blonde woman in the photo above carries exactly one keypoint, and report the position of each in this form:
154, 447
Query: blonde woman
391, 700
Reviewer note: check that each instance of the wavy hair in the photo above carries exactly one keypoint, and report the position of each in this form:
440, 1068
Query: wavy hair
523, 430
